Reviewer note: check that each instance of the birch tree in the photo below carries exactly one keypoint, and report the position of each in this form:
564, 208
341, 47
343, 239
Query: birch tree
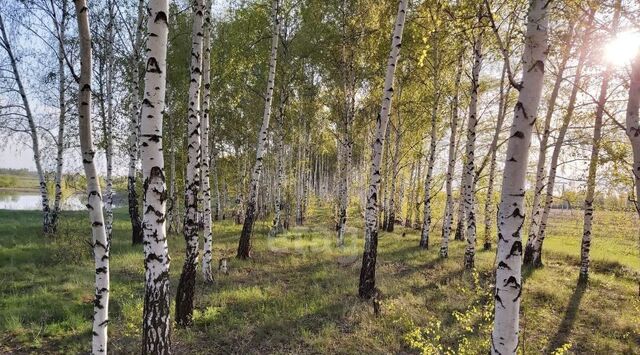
533, 249
451, 165
367, 286
60, 29
156, 322
585, 245
508, 281
469, 170
186, 286
536, 212
244, 246
32, 128
100, 240
206, 190
137, 234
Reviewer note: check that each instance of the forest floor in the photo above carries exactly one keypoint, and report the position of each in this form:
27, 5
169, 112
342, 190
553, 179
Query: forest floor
299, 293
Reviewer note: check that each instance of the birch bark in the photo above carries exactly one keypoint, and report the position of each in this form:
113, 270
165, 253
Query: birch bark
533, 249
94, 201
137, 234
469, 170
244, 246
156, 322
186, 286
451, 166
367, 286
593, 161
206, 189
508, 288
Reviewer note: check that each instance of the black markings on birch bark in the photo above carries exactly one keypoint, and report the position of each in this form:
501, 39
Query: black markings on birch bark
137, 234
366, 288
244, 246
449, 203
156, 323
504, 338
533, 250
100, 240
186, 285
593, 161
206, 190
469, 171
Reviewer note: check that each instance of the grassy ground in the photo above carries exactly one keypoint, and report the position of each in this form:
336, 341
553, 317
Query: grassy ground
297, 295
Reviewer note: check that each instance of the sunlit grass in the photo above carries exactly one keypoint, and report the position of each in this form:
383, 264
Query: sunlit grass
298, 293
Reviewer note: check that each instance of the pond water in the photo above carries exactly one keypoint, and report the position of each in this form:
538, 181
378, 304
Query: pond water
25, 201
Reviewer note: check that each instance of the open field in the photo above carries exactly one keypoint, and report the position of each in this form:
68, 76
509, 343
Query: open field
298, 294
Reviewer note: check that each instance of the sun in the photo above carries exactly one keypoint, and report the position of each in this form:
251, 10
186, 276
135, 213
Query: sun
622, 48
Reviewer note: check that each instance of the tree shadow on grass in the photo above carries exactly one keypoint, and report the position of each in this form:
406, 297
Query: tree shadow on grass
566, 326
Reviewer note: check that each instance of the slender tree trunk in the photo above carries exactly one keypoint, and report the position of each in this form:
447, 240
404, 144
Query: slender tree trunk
593, 161
533, 250
348, 81
276, 228
633, 129
415, 204
449, 204
62, 116
408, 217
108, 197
395, 171
508, 288
367, 286
488, 205
94, 203
206, 189
244, 246
173, 210
156, 322
536, 211
426, 218
186, 286
33, 132
137, 234
470, 170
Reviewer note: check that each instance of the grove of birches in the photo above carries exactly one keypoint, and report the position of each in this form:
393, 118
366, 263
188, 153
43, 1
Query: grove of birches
437, 140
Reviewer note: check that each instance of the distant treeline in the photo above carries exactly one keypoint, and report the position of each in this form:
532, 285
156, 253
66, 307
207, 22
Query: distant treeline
17, 172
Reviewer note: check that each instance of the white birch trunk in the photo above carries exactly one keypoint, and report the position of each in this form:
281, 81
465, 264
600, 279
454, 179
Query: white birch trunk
94, 202
62, 100
33, 132
508, 288
408, 217
276, 228
451, 166
108, 196
395, 171
137, 234
206, 190
489, 203
186, 286
244, 246
156, 323
367, 286
536, 211
426, 218
533, 250
469, 171
593, 161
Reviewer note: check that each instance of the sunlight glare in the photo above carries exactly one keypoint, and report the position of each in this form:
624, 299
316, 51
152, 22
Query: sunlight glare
622, 48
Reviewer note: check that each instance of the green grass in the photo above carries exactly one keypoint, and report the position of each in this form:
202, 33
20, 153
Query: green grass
19, 182
298, 294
